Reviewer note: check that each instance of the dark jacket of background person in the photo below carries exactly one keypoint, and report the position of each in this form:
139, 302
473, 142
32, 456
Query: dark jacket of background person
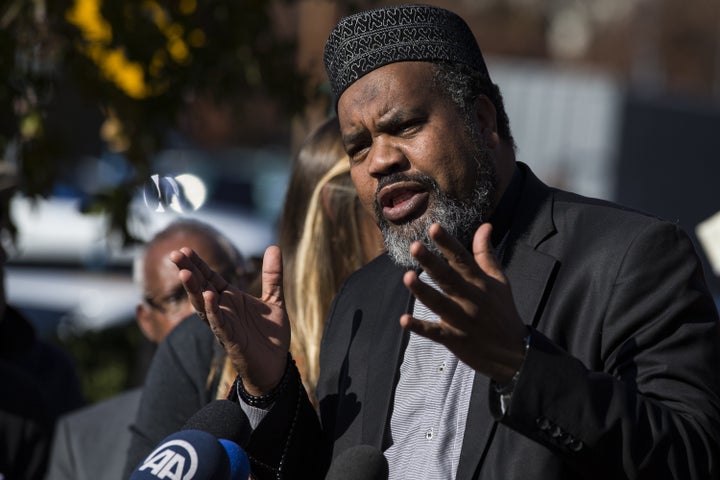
76, 443
613, 298
176, 387
40, 383
25, 425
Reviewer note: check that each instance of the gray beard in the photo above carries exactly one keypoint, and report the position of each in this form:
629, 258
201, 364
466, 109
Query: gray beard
460, 217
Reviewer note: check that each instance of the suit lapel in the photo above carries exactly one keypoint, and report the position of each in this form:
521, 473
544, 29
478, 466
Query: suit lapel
530, 273
528, 269
384, 355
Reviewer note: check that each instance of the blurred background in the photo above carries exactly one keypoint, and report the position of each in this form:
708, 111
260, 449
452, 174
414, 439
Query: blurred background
108, 110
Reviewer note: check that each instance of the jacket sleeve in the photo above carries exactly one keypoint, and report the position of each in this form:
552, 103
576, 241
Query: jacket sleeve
650, 408
287, 443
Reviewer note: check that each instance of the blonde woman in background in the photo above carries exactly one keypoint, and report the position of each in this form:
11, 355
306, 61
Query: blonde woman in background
325, 235
338, 237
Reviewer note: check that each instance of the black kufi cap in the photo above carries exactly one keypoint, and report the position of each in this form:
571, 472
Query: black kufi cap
368, 40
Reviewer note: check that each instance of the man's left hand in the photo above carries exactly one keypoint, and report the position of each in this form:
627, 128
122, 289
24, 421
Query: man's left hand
478, 319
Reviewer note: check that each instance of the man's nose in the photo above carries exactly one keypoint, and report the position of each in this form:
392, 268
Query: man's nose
386, 158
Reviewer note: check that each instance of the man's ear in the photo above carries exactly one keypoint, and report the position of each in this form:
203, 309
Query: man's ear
145, 322
487, 119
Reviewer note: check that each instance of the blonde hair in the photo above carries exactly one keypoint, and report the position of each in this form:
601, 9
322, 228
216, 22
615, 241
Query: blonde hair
330, 248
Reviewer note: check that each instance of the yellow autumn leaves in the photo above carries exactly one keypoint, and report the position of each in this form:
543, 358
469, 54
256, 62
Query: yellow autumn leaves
130, 76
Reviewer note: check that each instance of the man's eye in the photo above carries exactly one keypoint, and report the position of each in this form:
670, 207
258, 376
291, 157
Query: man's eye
410, 127
356, 154
177, 297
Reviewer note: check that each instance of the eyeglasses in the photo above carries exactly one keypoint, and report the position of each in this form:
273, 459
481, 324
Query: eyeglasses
175, 301
168, 304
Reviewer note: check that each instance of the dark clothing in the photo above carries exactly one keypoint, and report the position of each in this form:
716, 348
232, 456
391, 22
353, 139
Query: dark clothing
40, 383
176, 386
621, 379
25, 425
52, 367
92, 442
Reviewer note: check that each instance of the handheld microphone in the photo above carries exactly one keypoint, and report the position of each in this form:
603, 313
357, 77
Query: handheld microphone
223, 419
194, 455
239, 461
361, 462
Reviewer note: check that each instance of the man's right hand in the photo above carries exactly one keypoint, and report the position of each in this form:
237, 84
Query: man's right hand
255, 332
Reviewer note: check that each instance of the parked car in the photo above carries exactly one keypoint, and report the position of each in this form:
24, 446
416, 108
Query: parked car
70, 275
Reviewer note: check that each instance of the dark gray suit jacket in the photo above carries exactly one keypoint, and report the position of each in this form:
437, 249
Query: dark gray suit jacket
621, 379
91, 443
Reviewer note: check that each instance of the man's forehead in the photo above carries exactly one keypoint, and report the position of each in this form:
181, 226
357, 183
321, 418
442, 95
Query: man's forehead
388, 94
202, 245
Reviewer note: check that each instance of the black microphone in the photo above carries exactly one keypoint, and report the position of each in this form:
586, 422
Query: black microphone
194, 455
361, 462
223, 419
227, 422
207, 447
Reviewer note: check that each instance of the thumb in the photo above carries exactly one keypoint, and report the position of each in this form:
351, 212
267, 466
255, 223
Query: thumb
272, 281
484, 253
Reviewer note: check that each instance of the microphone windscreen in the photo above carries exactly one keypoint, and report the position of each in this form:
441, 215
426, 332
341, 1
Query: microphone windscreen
223, 419
362, 462
187, 454
239, 461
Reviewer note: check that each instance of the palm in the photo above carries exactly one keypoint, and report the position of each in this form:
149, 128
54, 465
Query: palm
479, 321
255, 332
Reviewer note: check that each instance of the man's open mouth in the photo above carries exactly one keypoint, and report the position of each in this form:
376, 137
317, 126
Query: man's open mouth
403, 201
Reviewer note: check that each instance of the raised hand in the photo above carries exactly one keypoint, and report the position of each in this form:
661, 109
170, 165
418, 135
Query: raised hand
478, 319
255, 332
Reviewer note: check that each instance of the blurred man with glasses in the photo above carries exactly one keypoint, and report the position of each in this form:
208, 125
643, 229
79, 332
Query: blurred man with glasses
92, 443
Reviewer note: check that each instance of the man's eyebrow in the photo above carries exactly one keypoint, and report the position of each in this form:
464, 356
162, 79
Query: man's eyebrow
354, 136
163, 296
393, 119
389, 122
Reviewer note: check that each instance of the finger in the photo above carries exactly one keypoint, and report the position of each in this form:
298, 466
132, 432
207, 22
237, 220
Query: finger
181, 259
191, 278
215, 319
430, 262
484, 253
211, 305
456, 254
213, 280
435, 300
272, 289
436, 332
452, 278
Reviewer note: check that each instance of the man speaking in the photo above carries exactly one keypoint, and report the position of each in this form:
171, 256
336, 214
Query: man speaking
512, 330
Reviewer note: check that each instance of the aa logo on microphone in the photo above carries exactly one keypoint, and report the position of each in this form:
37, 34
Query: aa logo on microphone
173, 460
